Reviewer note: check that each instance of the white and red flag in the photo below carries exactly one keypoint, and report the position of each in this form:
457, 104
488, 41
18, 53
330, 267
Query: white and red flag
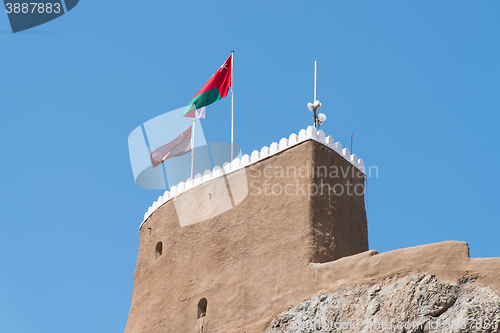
179, 146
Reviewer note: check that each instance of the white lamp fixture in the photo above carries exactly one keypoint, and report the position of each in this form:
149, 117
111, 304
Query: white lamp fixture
318, 118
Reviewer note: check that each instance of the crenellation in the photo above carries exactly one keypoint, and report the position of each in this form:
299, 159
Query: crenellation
245, 160
173, 191
338, 148
302, 135
207, 175
235, 164
311, 133
321, 136
284, 143
255, 156
353, 159
198, 178
189, 183
181, 187
217, 172
274, 148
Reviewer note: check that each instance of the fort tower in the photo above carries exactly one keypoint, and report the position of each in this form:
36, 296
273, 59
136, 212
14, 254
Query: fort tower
204, 266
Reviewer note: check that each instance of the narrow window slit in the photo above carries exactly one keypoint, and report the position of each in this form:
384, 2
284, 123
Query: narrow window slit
202, 308
159, 250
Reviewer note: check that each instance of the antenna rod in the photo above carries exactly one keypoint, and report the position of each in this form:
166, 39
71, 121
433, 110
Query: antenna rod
315, 78
351, 143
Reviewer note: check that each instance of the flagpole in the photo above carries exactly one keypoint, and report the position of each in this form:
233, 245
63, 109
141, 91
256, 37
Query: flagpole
192, 146
232, 104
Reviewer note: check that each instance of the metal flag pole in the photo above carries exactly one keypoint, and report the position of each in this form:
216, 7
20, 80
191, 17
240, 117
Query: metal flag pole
232, 104
192, 146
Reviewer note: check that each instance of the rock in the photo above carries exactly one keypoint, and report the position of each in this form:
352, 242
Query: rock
412, 304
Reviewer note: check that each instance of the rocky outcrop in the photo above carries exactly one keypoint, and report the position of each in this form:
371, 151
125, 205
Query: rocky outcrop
414, 303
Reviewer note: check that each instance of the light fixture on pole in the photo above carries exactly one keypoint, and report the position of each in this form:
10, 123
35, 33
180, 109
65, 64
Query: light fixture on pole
314, 107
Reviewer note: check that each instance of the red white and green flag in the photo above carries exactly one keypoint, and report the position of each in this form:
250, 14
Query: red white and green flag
179, 146
216, 88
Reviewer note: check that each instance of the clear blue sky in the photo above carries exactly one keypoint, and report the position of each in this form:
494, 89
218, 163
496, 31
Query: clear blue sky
416, 82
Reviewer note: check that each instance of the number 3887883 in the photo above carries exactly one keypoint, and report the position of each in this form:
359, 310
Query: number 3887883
33, 7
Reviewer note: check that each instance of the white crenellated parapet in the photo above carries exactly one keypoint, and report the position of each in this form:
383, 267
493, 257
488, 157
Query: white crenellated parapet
189, 183
236, 164
284, 143
166, 196
255, 156
173, 191
329, 141
227, 167
264, 152
302, 135
321, 136
274, 148
207, 175
198, 178
346, 153
217, 172
245, 160
338, 148
353, 159
312, 133
361, 165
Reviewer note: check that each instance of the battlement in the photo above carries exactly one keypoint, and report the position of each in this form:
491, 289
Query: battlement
305, 134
